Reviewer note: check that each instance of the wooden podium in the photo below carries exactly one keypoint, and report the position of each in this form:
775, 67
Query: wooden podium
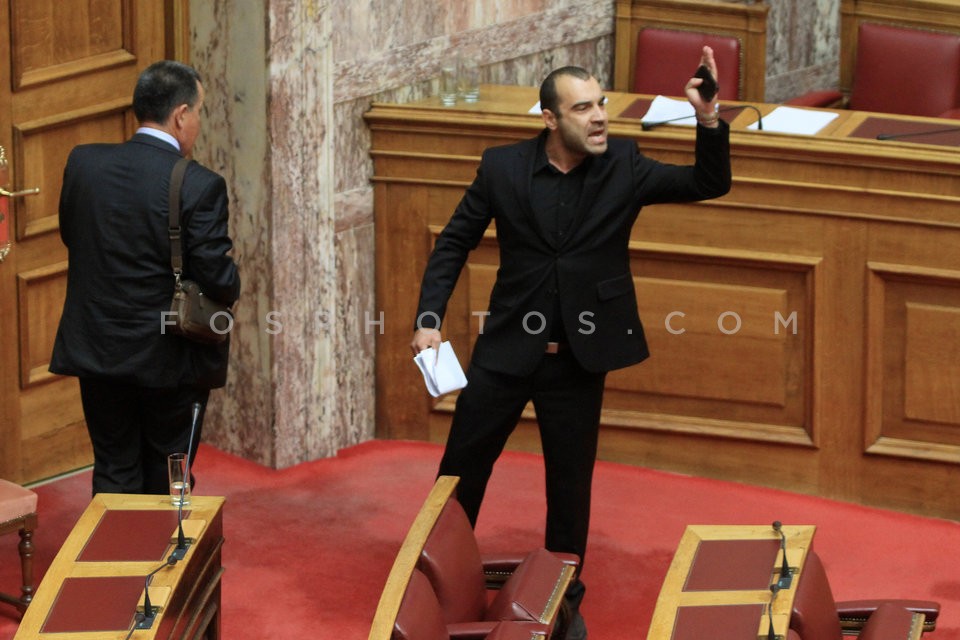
720, 578
852, 237
95, 586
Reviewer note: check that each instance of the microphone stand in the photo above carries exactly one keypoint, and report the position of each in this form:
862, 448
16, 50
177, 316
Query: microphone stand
647, 126
910, 134
771, 633
786, 573
149, 611
182, 542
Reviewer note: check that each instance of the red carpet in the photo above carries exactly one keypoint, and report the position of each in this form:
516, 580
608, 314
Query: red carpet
308, 548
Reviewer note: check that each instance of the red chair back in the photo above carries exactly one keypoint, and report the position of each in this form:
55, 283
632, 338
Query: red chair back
667, 58
908, 71
451, 561
814, 610
419, 617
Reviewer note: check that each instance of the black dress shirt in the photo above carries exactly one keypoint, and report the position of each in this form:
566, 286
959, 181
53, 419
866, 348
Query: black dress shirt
555, 197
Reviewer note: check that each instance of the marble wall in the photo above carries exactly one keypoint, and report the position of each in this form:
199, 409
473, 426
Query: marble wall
803, 47
287, 84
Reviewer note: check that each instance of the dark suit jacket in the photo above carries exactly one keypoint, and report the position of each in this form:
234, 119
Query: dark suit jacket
589, 271
113, 220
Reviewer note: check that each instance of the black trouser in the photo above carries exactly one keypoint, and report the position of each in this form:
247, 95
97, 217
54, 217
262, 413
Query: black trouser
133, 429
567, 400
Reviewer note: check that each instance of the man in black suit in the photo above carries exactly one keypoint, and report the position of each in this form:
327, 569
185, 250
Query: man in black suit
563, 310
139, 381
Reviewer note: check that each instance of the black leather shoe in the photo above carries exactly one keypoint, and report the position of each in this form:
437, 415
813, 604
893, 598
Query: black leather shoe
576, 627
577, 630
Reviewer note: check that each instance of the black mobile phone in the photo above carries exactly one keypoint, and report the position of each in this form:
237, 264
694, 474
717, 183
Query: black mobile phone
709, 87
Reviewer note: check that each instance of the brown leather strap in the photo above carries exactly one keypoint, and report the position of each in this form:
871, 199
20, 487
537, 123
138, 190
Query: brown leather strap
173, 204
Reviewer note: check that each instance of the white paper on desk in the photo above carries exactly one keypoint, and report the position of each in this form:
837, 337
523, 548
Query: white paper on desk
441, 374
535, 108
662, 109
793, 120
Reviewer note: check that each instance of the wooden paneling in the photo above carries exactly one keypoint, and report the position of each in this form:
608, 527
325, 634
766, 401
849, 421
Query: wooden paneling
72, 66
41, 295
913, 399
804, 329
42, 147
54, 40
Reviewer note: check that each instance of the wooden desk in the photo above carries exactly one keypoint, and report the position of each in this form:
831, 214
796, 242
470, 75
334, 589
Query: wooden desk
128, 526
804, 328
728, 585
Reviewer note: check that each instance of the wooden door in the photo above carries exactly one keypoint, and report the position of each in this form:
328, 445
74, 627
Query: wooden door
71, 66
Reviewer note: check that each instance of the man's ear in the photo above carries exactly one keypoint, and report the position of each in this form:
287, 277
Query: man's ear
549, 119
179, 114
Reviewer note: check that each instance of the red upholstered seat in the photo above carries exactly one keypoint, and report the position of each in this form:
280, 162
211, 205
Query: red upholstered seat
451, 561
516, 631
420, 618
18, 512
816, 616
908, 71
900, 70
666, 59
890, 622
15, 501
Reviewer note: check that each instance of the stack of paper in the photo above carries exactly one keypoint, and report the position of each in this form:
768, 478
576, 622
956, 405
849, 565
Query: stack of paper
441, 372
678, 112
794, 120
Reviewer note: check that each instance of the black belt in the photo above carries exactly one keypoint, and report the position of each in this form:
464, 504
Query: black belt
556, 347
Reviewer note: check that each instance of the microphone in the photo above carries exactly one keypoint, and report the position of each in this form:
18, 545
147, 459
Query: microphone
182, 542
786, 573
771, 634
647, 126
149, 611
909, 134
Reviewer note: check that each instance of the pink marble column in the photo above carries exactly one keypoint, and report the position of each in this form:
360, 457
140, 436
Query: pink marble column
287, 84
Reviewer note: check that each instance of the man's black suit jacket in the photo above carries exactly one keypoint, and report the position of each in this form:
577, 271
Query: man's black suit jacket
114, 220
589, 271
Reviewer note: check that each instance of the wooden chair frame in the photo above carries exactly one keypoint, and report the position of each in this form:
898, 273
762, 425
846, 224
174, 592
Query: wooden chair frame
746, 22
25, 526
408, 556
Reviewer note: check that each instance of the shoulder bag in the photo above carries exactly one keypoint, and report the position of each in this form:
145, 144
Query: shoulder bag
196, 316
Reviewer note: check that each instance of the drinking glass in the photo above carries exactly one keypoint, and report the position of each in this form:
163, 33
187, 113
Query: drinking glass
468, 80
448, 83
179, 479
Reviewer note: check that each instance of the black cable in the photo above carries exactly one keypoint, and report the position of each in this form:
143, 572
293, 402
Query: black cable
647, 126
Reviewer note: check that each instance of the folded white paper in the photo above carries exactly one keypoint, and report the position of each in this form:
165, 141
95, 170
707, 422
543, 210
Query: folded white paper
662, 109
794, 120
442, 374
